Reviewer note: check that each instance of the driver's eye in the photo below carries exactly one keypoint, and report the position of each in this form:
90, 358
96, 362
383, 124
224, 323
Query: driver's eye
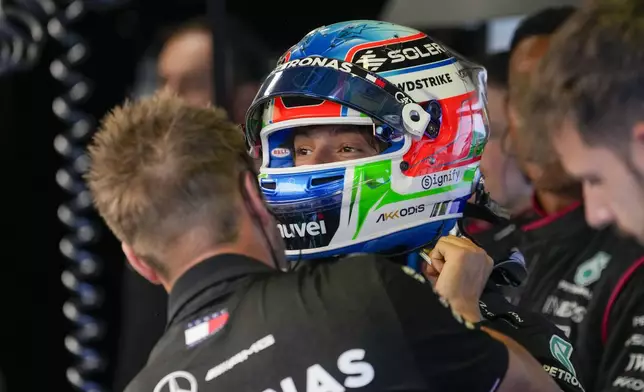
348, 149
302, 151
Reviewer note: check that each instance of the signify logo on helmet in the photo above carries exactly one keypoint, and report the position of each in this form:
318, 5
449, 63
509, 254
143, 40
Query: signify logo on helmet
401, 213
302, 229
400, 55
449, 177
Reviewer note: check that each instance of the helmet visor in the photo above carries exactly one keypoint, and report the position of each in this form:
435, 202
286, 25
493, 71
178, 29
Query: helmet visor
332, 80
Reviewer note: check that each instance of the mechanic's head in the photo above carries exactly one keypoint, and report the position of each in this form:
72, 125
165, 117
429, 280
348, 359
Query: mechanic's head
589, 94
185, 63
531, 147
504, 180
175, 184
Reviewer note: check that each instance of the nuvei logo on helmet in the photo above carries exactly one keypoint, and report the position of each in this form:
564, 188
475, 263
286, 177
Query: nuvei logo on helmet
302, 229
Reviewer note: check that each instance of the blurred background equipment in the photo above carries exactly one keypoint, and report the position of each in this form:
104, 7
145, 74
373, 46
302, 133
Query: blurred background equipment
63, 65
22, 36
422, 13
79, 276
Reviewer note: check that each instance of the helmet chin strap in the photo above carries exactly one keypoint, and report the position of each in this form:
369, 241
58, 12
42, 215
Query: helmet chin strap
511, 270
484, 208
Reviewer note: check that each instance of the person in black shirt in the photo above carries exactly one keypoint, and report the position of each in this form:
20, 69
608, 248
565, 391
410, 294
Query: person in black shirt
506, 183
342, 179
184, 67
177, 187
597, 123
588, 281
182, 196
504, 180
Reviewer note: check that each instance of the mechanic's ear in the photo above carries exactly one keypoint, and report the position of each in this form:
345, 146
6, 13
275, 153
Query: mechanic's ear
638, 135
637, 143
514, 119
140, 265
255, 199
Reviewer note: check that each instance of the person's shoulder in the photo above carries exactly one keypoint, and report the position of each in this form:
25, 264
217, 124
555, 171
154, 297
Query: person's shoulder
616, 264
141, 382
158, 377
622, 256
360, 276
372, 267
362, 269
616, 253
158, 371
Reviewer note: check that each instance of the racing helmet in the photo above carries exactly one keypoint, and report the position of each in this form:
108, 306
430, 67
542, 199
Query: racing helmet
423, 103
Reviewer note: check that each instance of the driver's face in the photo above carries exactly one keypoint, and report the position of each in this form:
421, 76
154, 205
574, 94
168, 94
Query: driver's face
333, 143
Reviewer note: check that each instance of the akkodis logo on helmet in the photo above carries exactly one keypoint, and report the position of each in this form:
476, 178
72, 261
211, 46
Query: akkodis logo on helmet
400, 213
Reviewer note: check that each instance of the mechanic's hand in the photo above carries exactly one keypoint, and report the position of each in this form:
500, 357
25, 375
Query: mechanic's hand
460, 269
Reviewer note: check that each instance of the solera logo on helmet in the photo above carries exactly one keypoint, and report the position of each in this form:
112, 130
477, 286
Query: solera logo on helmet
450, 177
302, 229
401, 213
280, 152
400, 55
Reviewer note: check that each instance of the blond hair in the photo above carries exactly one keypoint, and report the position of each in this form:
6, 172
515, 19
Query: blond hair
161, 168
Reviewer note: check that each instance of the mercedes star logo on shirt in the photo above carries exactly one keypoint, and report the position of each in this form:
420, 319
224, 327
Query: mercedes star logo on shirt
178, 381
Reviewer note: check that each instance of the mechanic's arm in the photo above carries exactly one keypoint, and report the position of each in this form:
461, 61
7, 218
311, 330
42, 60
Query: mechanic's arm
545, 342
453, 354
524, 372
622, 363
462, 270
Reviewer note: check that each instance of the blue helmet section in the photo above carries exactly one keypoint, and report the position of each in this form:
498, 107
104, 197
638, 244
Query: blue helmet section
336, 40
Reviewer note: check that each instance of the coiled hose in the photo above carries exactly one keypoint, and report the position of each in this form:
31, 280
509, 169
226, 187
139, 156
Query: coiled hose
22, 36
83, 268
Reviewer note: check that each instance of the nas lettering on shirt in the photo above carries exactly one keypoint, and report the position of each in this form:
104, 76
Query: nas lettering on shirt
350, 363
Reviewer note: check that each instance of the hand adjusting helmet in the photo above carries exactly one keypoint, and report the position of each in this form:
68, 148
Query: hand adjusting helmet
420, 102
